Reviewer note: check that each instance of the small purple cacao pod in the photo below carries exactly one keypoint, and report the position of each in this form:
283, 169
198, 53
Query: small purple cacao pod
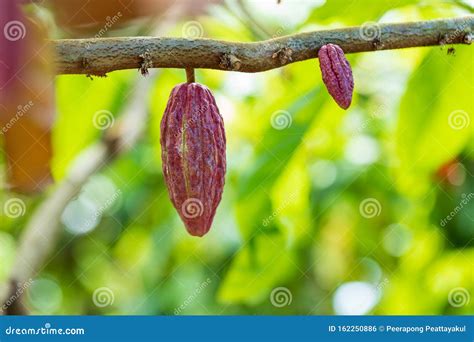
193, 155
337, 74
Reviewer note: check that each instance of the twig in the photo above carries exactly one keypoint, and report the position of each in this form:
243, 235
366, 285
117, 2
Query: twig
464, 5
190, 75
108, 54
254, 22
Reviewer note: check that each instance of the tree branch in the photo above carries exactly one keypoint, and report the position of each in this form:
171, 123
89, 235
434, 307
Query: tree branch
100, 56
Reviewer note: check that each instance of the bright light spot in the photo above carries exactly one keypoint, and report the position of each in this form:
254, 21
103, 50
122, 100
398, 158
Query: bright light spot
355, 298
372, 270
457, 174
45, 295
397, 239
239, 84
226, 108
323, 173
101, 191
81, 216
362, 150
355, 123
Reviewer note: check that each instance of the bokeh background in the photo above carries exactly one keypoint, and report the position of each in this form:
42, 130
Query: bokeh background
325, 211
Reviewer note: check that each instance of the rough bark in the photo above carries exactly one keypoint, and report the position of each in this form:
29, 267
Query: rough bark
100, 56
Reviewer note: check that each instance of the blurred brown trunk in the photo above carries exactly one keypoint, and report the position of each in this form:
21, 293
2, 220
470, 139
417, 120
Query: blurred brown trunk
26, 98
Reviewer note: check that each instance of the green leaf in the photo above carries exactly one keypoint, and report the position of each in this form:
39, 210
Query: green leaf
273, 153
256, 270
290, 199
433, 128
354, 12
85, 107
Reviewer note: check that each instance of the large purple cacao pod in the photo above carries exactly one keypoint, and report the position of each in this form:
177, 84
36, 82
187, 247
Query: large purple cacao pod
337, 74
193, 154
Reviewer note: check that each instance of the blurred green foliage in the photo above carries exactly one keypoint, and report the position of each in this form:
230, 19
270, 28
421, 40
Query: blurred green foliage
345, 210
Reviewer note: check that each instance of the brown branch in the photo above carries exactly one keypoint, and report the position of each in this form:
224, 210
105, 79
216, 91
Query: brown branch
100, 56
190, 75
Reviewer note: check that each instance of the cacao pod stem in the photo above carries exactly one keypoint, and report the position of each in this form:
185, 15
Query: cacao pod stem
190, 75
